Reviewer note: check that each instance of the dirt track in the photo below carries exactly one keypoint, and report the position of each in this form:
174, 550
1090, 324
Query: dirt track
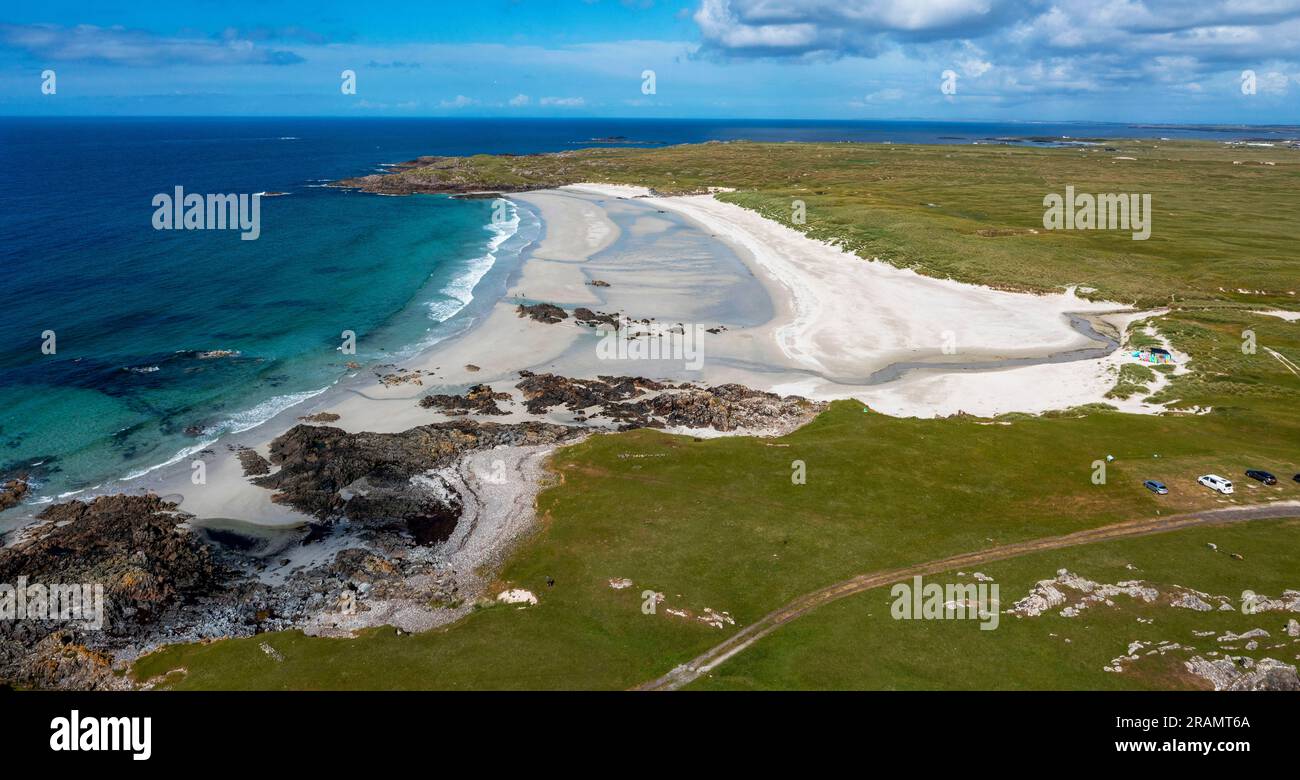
689, 672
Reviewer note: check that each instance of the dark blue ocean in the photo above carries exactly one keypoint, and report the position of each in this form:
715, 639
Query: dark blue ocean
133, 309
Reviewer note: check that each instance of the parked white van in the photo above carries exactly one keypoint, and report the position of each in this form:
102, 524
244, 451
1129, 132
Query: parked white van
1216, 482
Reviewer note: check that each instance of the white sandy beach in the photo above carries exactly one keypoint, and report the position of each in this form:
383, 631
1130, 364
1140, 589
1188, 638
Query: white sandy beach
835, 321
841, 318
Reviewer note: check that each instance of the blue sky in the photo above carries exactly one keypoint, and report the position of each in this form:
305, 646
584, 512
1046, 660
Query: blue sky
1105, 60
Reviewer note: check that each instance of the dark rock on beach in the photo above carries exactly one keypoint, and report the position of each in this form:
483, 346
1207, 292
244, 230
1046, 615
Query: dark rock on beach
324, 469
12, 492
150, 567
595, 318
163, 582
133, 545
728, 408
637, 402
320, 417
254, 464
543, 312
544, 391
479, 399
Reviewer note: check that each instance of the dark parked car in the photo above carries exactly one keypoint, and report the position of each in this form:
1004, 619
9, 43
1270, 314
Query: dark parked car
1262, 476
1156, 487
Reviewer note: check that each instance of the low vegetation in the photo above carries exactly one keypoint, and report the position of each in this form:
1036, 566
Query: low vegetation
720, 525
1222, 233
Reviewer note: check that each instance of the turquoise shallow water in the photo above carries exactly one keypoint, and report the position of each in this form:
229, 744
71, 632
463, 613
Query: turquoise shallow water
134, 310
130, 386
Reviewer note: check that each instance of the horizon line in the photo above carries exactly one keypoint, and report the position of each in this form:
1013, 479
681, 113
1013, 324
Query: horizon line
486, 117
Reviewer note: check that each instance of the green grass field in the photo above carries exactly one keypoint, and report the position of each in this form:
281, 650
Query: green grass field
967, 212
856, 644
718, 524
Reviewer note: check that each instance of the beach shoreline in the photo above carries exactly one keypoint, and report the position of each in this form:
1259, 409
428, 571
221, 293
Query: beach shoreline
394, 497
833, 327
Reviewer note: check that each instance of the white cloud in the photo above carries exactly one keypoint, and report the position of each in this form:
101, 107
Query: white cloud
802, 27
120, 46
460, 101
519, 100
563, 102
889, 95
1273, 83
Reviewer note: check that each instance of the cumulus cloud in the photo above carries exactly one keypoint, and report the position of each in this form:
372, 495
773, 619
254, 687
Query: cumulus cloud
563, 102
836, 27
520, 100
864, 27
121, 46
1037, 45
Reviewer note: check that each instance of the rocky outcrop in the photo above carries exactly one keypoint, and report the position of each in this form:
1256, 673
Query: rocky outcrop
59, 660
548, 313
1050, 594
137, 550
456, 176
320, 417
136, 546
11, 493
377, 479
542, 392
728, 408
637, 402
479, 399
164, 583
595, 319
253, 463
1245, 674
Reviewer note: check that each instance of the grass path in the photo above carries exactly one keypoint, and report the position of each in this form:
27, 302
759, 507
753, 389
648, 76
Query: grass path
687, 673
